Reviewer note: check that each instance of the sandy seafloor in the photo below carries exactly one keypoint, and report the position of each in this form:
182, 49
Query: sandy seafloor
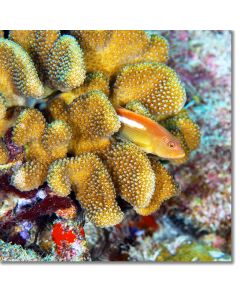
196, 226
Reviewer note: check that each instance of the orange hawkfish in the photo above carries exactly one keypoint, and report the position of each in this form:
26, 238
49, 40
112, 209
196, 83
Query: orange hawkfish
149, 135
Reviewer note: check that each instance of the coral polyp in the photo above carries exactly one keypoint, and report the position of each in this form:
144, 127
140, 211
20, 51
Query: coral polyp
67, 132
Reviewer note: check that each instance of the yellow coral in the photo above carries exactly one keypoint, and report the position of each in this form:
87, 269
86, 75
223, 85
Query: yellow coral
97, 145
29, 176
3, 153
58, 178
56, 139
58, 106
94, 81
3, 107
157, 50
3, 110
7, 116
30, 126
108, 50
38, 44
1, 33
191, 133
59, 59
65, 65
92, 184
26, 39
43, 144
36, 151
132, 173
153, 84
90, 116
139, 108
127, 67
165, 189
18, 76
93, 115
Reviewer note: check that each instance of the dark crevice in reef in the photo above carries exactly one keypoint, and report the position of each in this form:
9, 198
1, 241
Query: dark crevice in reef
101, 246
187, 228
80, 210
125, 206
6, 33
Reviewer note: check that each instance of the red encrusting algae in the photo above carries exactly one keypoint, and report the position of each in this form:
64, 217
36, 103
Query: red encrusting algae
68, 238
60, 235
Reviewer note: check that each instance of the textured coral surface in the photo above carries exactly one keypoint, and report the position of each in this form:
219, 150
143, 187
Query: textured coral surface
73, 188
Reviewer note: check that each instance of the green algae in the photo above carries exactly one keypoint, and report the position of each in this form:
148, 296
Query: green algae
193, 252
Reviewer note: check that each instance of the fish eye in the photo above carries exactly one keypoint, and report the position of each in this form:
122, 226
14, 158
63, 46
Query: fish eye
171, 144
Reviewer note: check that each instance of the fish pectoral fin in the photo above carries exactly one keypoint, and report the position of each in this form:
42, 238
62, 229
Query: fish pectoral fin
140, 142
146, 148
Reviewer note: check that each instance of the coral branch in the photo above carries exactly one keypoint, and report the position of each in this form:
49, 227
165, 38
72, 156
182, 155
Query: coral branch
132, 174
18, 76
65, 64
108, 50
29, 176
165, 189
93, 115
153, 84
93, 186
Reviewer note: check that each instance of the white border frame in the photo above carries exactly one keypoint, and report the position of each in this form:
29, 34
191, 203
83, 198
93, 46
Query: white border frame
127, 281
